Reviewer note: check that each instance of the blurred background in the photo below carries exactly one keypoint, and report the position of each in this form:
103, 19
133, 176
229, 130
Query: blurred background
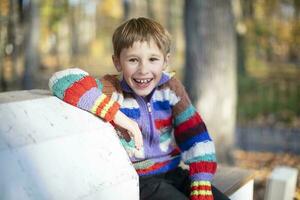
239, 60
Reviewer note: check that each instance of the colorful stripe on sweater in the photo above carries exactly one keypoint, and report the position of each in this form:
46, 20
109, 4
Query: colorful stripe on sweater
172, 129
77, 88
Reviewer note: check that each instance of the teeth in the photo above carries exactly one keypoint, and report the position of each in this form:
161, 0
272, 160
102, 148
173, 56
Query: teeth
142, 80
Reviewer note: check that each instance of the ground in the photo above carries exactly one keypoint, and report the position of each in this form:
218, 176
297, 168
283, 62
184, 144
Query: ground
263, 163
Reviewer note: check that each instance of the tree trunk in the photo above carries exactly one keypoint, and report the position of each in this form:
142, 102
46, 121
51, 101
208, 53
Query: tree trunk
75, 26
150, 11
210, 68
13, 52
3, 41
31, 43
126, 9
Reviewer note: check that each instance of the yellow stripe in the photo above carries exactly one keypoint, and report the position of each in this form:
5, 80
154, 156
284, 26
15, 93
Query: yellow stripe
97, 103
200, 183
106, 108
201, 192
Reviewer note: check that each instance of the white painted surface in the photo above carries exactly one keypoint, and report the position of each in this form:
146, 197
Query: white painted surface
281, 184
244, 193
52, 150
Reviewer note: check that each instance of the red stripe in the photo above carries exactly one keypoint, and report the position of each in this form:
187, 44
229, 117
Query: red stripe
152, 168
202, 197
101, 106
203, 166
112, 111
175, 152
191, 132
192, 122
161, 123
201, 187
77, 89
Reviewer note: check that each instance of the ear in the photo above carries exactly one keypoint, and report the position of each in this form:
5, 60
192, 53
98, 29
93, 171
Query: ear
167, 59
116, 62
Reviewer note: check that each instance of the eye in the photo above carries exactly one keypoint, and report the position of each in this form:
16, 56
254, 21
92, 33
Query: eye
153, 59
133, 60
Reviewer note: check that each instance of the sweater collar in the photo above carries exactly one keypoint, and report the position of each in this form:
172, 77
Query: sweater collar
164, 78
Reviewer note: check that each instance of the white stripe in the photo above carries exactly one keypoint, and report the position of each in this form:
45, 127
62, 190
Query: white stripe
130, 103
200, 149
58, 75
166, 95
133, 152
164, 146
118, 97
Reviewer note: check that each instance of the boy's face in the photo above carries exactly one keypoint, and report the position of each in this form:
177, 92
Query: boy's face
142, 66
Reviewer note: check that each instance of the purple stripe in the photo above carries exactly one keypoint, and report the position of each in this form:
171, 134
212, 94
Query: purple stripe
159, 114
164, 78
162, 158
154, 160
87, 100
202, 177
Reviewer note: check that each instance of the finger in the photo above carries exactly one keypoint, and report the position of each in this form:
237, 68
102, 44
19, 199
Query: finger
138, 140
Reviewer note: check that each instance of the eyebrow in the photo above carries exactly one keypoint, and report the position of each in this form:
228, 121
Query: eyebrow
155, 55
135, 55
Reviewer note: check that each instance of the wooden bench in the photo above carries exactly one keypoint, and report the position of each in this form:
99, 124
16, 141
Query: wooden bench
48, 149
237, 183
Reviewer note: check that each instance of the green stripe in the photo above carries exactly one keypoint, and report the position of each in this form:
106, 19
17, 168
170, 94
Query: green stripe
165, 136
185, 115
127, 145
206, 157
99, 84
143, 165
64, 83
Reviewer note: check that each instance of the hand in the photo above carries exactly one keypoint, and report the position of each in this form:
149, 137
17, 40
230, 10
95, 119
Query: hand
131, 126
201, 190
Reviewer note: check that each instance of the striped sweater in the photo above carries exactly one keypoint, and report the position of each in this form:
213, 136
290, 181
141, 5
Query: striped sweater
172, 128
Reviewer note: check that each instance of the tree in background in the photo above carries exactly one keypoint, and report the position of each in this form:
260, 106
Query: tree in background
210, 68
31, 42
4, 6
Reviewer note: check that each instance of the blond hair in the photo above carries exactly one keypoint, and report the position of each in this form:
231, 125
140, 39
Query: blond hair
139, 30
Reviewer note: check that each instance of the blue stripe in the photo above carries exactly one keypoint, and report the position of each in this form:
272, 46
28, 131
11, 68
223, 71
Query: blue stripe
185, 115
64, 83
171, 165
197, 138
161, 105
133, 113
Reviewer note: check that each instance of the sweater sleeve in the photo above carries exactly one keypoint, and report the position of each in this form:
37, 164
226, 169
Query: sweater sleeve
79, 89
195, 143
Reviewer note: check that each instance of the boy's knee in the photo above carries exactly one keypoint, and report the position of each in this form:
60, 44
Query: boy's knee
161, 190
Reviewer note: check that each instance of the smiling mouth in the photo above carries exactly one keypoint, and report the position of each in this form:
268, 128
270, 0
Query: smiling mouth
142, 81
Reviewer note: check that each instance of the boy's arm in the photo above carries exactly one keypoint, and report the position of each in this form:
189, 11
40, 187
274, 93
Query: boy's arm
79, 89
197, 147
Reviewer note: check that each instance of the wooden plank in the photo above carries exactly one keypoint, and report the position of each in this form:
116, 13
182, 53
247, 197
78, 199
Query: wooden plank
230, 179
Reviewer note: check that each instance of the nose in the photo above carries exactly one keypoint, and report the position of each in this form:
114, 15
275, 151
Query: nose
143, 68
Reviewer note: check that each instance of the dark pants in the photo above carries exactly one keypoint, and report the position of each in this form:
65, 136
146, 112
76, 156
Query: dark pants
173, 185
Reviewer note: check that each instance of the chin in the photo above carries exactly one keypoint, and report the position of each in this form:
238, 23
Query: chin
142, 93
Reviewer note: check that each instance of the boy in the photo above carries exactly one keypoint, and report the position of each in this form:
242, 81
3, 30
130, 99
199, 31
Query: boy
156, 122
